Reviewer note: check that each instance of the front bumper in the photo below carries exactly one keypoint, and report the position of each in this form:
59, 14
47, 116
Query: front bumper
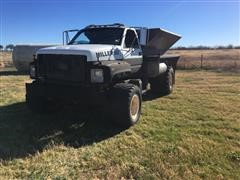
90, 95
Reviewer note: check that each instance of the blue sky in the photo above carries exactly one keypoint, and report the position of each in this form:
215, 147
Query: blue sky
200, 22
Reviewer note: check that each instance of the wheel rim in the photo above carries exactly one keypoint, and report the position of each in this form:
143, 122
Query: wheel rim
134, 107
171, 82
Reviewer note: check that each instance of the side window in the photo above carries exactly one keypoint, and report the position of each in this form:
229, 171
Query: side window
131, 39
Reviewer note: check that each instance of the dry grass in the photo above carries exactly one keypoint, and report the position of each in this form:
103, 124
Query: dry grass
228, 59
193, 133
6, 59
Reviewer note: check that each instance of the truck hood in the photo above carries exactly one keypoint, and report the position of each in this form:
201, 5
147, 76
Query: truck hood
93, 52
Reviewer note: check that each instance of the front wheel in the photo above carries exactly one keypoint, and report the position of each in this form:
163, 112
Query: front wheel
126, 103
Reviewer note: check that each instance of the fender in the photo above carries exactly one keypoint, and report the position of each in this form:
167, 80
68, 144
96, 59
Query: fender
119, 70
114, 70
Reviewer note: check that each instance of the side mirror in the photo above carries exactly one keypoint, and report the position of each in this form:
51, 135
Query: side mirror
68, 35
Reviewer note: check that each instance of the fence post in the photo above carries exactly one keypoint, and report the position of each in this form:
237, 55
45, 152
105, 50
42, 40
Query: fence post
201, 61
235, 64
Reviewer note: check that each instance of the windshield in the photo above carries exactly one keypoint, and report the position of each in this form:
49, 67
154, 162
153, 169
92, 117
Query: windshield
111, 36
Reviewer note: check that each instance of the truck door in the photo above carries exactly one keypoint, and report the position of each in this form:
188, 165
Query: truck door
131, 50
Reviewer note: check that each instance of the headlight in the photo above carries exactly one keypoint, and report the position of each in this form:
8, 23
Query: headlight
97, 75
32, 71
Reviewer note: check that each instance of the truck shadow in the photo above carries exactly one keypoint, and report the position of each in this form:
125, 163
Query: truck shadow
149, 96
13, 73
23, 133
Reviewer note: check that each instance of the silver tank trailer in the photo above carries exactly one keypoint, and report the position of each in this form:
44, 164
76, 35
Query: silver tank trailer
22, 55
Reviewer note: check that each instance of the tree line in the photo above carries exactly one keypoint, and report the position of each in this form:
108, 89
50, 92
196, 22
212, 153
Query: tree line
11, 46
7, 47
230, 46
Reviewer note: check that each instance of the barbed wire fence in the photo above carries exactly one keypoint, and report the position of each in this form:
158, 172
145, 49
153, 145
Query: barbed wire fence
205, 62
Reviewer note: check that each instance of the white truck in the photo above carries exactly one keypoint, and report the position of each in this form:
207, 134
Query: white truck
109, 65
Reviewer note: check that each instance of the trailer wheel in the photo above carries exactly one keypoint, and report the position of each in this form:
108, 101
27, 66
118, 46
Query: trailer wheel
163, 84
126, 104
37, 104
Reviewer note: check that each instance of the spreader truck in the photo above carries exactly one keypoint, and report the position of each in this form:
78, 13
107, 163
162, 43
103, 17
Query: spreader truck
108, 65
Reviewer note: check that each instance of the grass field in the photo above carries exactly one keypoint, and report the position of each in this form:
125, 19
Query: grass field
193, 133
6, 59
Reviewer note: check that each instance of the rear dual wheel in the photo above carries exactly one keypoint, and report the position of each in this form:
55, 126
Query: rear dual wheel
163, 84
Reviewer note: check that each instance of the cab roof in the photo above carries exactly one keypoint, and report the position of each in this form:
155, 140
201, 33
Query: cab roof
116, 25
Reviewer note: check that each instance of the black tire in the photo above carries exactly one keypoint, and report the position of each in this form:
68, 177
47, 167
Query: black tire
163, 84
126, 104
37, 104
